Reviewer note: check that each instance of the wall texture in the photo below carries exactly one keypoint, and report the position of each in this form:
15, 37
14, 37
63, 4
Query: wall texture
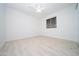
67, 24
20, 25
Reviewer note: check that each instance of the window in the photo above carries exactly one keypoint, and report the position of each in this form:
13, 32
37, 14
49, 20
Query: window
51, 23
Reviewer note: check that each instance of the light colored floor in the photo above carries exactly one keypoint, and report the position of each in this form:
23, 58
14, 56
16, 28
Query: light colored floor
40, 46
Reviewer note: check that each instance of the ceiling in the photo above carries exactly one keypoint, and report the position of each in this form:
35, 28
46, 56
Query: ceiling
30, 8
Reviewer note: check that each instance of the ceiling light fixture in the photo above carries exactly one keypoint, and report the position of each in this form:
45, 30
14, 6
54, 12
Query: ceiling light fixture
38, 10
38, 7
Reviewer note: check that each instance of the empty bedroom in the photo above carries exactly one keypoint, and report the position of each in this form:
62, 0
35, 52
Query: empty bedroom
39, 29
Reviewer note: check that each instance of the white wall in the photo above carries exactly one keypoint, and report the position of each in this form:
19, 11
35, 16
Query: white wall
2, 24
67, 24
20, 25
